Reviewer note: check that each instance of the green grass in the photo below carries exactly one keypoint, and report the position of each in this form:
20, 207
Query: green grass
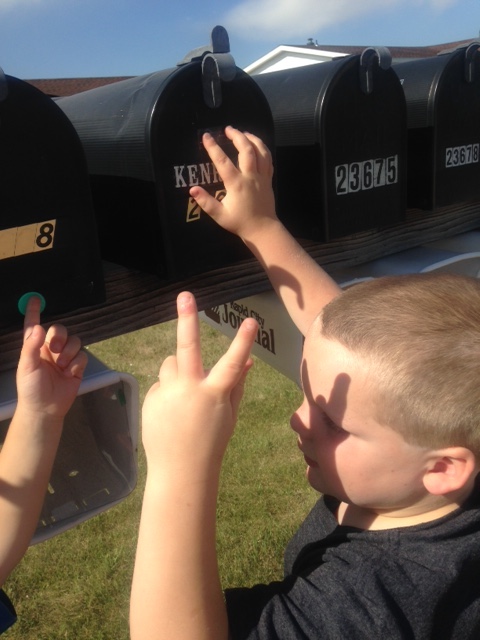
76, 586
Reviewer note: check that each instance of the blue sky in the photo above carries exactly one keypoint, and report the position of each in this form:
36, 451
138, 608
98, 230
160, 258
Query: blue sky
82, 38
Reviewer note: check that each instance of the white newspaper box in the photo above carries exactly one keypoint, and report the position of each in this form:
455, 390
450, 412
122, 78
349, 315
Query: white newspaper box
279, 343
96, 463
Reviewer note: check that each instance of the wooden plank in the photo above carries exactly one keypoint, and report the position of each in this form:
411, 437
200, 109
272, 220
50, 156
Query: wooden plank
136, 300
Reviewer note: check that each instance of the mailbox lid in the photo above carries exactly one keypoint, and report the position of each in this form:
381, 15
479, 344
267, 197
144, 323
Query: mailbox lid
440, 85
420, 80
114, 122
48, 234
296, 97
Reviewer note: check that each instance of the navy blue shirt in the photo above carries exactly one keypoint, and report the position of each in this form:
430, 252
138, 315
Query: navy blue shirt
417, 583
7, 612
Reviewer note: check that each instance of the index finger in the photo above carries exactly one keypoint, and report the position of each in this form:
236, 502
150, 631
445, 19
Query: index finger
32, 314
189, 357
224, 165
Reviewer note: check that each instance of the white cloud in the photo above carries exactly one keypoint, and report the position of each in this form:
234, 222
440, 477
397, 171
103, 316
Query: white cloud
5, 5
292, 18
440, 5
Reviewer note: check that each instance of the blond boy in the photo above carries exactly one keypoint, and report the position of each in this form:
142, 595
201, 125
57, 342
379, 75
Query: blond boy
389, 429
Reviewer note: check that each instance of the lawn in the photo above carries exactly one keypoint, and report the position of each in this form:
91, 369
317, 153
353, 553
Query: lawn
76, 585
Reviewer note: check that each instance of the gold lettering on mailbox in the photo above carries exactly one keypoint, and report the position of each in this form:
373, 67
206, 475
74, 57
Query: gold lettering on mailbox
194, 210
28, 238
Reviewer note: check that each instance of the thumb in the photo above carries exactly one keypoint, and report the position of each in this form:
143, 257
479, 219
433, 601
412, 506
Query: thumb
206, 201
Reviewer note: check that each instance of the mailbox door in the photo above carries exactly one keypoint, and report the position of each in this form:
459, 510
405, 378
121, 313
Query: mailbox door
193, 241
340, 150
48, 236
364, 152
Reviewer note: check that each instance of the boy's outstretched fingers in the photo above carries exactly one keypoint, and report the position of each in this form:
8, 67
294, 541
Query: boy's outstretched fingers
233, 366
189, 358
253, 154
32, 316
33, 337
263, 154
224, 165
65, 351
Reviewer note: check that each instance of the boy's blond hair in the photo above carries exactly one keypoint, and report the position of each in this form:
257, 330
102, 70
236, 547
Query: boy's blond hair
419, 336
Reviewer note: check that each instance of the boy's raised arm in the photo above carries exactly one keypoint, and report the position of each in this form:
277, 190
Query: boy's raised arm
188, 418
248, 210
49, 373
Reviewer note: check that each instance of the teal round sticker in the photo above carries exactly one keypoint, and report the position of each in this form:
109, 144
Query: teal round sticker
22, 303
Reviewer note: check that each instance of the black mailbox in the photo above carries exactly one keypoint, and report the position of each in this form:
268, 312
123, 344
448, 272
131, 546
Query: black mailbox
142, 139
48, 235
443, 107
340, 134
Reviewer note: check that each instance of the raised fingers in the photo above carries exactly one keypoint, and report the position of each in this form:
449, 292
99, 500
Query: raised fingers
253, 154
32, 316
207, 203
230, 370
77, 365
263, 154
65, 350
225, 167
189, 358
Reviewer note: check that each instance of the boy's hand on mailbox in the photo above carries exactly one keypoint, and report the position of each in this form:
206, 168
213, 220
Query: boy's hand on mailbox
50, 368
188, 416
249, 204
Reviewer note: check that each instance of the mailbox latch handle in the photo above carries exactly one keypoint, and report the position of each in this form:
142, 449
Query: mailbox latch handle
217, 67
472, 50
369, 57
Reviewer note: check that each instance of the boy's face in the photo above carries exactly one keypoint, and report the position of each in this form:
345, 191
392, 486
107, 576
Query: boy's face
349, 454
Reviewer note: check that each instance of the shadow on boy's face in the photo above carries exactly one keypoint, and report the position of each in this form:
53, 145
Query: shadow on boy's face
333, 469
337, 398
333, 402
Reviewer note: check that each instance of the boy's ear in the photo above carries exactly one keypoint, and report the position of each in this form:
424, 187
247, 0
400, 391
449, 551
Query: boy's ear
450, 470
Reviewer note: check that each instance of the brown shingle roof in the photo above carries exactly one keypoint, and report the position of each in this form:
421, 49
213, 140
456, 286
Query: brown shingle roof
397, 52
69, 86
